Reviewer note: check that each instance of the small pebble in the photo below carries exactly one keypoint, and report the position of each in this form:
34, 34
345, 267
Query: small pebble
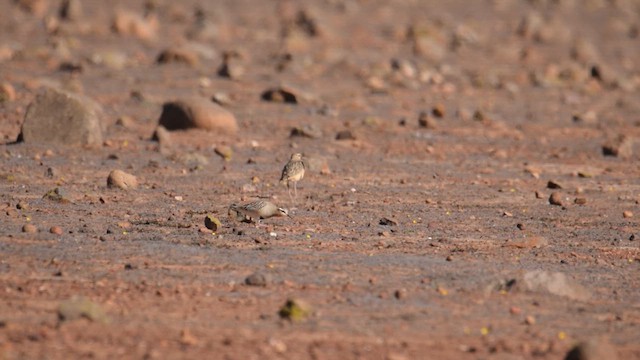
29, 229
580, 201
257, 279
212, 223
556, 199
345, 135
553, 185
530, 320
627, 214
400, 294
56, 230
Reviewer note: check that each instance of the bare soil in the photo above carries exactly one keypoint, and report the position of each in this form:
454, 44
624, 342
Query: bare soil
524, 92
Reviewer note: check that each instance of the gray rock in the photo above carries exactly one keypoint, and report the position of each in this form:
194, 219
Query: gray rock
60, 117
555, 283
258, 279
198, 113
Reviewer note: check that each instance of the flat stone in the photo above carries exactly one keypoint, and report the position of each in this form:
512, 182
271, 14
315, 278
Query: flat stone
60, 117
555, 283
197, 112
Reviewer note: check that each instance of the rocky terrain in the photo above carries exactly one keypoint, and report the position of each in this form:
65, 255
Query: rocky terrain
471, 188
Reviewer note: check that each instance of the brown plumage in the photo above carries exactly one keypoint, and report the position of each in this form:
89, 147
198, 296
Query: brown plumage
293, 172
254, 211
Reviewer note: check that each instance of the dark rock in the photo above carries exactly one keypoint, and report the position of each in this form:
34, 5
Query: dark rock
592, 350
388, 222
280, 95
621, 147
553, 185
345, 135
71, 10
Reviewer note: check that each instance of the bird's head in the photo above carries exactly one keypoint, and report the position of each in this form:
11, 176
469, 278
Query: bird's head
296, 157
283, 212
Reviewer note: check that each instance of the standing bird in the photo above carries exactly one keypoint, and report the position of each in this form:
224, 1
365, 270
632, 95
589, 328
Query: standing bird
254, 211
293, 172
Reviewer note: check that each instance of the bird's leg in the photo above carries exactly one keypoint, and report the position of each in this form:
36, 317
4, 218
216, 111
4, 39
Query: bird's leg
289, 191
295, 189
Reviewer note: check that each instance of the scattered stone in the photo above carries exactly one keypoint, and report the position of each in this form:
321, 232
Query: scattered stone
187, 338
35, 7
191, 159
7, 92
22, 205
178, 55
589, 118
122, 180
388, 222
126, 121
281, 95
345, 135
258, 279
401, 294
531, 242
627, 214
230, 67
212, 223
56, 230
317, 164
196, 112
438, 111
553, 185
60, 117
426, 121
162, 136
428, 41
555, 283
295, 310
221, 98
79, 307
539, 195
131, 24
29, 229
71, 10
621, 147
58, 195
530, 320
224, 151
308, 131
593, 349
556, 199
580, 201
